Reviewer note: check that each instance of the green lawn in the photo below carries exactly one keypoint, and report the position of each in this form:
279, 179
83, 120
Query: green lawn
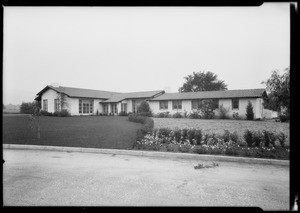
87, 131
218, 126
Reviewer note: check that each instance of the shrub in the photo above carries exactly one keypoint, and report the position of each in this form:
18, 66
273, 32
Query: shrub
146, 114
45, 113
281, 138
191, 135
234, 137
177, 115
236, 116
62, 113
206, 136
184, 134
249, 111
269, 138
194, 115
207, 109
185, 114
283, 118
198, 136
121, 114
164, 132
257, 138
226, 136
223, 112
136, 118
248, 136
176, 134
143, 107
162, 115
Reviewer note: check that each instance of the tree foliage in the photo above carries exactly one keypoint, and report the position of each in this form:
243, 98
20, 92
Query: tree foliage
30, 107
249, 111
278, 91
202, 81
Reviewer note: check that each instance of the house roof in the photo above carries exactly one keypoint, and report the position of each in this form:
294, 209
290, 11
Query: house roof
122, 96
110, 97
245, 93
78, 92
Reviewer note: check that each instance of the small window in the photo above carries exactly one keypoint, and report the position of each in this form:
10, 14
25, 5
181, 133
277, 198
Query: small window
163, 105
80, 106
235, 103
45, 105
196, 104
216, 103
124, 107
114, 108
177, 104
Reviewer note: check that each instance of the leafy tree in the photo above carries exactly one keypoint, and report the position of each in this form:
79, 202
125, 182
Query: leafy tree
27, 107
202, 81
249, 111
278, 92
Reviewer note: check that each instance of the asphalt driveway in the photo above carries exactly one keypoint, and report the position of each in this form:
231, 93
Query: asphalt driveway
49, 178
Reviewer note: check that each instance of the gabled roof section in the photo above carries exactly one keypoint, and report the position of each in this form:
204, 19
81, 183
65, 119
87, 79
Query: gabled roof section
78, 92
244, 93
132, 95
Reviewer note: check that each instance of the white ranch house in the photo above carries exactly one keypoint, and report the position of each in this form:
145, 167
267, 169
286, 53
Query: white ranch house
90, 102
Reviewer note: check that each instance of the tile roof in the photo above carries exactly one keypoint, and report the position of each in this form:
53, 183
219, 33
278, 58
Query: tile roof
122, 96
89, 93
245, 93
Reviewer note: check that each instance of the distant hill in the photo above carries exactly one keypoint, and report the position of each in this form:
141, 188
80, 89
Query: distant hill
10, 108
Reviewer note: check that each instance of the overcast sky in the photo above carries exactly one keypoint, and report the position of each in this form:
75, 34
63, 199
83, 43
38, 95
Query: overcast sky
128, 49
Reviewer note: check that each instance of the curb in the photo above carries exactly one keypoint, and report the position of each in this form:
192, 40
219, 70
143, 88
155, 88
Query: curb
151, 154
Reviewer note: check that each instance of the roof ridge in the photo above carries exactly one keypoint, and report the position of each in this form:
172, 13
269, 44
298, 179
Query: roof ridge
87, 89
216, 91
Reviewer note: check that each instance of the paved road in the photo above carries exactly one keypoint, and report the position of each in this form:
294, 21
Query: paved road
48, 178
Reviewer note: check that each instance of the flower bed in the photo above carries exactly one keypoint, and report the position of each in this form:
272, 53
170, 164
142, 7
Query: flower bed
195, 141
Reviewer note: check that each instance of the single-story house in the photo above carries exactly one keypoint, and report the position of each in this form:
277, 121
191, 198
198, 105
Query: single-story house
87, 102
90, 102
235, 101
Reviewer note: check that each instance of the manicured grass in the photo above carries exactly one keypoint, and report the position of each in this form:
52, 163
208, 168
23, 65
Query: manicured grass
218, 126
86, 131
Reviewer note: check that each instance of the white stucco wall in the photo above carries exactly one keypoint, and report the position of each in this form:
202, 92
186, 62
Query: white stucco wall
227, 103
72, 104
50, 95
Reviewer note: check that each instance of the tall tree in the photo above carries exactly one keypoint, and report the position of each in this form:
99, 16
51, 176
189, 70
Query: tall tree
278, 91
202, 81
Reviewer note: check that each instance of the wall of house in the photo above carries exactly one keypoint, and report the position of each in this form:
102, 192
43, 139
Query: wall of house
227, 103
50, 95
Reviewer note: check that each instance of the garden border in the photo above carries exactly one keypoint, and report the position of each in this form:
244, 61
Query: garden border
151, 154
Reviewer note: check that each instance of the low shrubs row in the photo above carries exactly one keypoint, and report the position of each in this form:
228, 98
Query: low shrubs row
252, 144
62, 113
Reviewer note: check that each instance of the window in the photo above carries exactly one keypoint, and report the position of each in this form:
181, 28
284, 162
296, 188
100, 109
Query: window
196, 104
235, 103
216, 103
86, 106
163, 105
80, 106
45, 105
114, 108
124, 107
177, 104
91, 106
56, 105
